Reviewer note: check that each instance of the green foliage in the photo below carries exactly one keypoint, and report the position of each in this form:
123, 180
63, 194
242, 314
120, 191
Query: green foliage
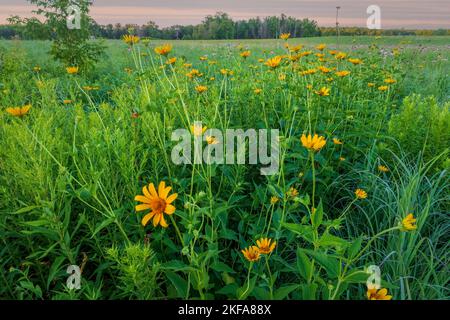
138, 270
69, 174
70, 46
422, 126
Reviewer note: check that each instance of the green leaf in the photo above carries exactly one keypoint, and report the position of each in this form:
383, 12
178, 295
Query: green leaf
359, 276
306, 232
228, 290
317, 216
304, 265
309, 291
54, 270
243, 292
221, 267
353, 250
102, 225
36, 223
177, 265
179, 283
26, 209
328, 240
282, 292
330, 264
261, 293
305, 200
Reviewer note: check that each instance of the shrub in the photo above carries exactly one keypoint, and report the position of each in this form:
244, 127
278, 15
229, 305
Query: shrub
422, 126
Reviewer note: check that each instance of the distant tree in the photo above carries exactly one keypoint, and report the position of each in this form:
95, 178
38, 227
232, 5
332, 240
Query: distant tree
70, 46
150, 30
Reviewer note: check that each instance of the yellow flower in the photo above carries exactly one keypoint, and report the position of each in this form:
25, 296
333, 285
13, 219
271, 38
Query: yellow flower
355, 61
292, 192
296, 48
305, 53
333, 52
159, 203
211, 140
285, 36
371, 84
307, 72
245, 54
257, 91
265, 245
171, 60
194, 73
337, 141
130, 39
251, 253
201, 89
313, 143
341, 159
390, 81
340, 55
72, 70
383, 88
37, 69
374, 294
409, 223
19, 111
342, 73
226, 72
383, 168
324, 69
197, 130
360, 194
187, 65
164, 50
274, 200
321, 46
67, 101
274, 62
323, 92
203, 58
282, 77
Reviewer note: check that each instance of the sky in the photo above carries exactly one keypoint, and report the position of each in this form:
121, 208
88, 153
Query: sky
419, 14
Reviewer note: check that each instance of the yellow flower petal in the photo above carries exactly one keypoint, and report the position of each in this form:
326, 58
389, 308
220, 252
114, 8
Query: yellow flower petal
163, 222
161, 187
142, 199
151, 188
147, 218
170, 209
141, 207
171, 198
156, 219
163, 195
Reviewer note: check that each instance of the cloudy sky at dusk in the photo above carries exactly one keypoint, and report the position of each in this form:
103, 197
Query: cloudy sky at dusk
424, 14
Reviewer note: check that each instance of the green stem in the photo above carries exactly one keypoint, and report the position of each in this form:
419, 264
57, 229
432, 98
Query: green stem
270, 277
248, 281
314, 178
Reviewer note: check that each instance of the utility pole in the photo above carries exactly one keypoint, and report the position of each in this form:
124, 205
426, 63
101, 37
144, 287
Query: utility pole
337, 25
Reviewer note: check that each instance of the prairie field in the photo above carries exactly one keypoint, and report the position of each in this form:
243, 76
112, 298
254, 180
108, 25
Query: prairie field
87, 177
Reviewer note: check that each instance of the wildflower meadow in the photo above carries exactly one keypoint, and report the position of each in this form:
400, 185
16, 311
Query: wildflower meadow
93, 205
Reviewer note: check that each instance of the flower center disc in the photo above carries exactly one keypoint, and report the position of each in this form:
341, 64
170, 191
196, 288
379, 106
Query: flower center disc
158, 205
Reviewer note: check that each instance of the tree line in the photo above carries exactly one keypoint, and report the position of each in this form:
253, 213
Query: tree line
214, 27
